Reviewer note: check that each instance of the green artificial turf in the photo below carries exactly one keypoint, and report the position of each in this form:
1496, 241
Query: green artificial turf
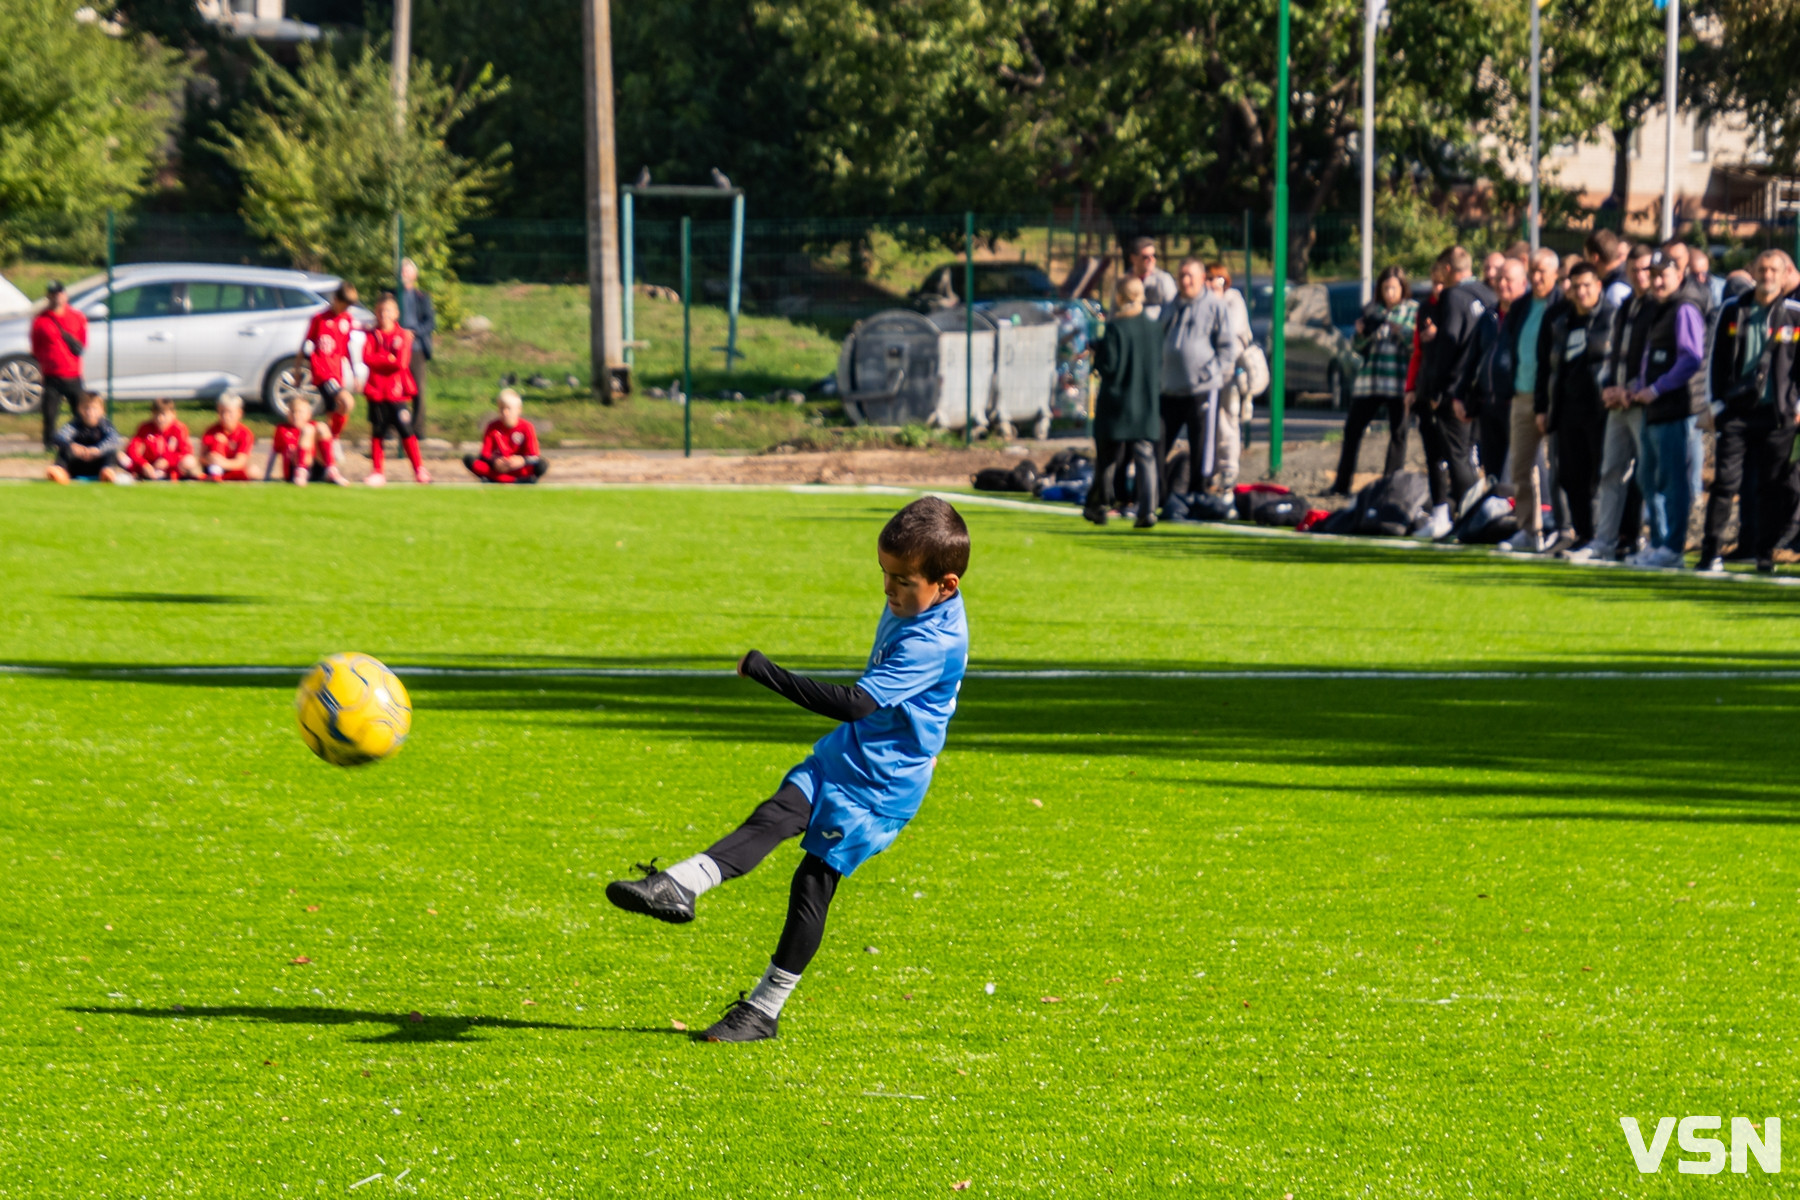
1246, 936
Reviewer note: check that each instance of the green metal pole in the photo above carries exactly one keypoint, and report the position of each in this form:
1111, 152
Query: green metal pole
1278, 273
687, 340
110, 233
627, 241
737, 277
968, 328
1249, 258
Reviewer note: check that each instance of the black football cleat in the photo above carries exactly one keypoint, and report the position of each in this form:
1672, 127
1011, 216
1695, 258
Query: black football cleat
655, 895
743, 1022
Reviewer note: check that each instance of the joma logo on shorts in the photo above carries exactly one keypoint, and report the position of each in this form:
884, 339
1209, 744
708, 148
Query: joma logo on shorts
1744, 1144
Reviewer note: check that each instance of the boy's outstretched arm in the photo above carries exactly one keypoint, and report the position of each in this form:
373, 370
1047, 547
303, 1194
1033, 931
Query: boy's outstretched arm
834, 700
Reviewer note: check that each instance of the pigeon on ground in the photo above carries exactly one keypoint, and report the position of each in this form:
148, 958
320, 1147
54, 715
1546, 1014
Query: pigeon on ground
537, 381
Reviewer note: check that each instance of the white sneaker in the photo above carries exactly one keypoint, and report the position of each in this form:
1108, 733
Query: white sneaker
1670, 558
1525, 542
1643, 558
1440, 522
376, 479
1589, 553
1711, 565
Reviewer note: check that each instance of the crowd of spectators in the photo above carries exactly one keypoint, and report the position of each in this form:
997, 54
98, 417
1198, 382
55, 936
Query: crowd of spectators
1586, 389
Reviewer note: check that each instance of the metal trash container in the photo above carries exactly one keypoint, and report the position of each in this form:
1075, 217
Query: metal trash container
901, 367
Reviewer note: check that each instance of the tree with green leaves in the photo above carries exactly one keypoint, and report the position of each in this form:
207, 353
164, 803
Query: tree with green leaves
327, 163
84, 112
1746, 65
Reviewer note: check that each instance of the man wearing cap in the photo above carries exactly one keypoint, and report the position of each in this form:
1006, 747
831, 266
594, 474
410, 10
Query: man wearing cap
59, 336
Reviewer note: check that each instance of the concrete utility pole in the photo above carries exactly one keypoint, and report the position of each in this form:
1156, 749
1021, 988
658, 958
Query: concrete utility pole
1537, 153
1371, 15
1672, 32
402, 58
606, 339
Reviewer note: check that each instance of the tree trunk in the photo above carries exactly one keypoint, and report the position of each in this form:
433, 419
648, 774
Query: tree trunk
1621, 180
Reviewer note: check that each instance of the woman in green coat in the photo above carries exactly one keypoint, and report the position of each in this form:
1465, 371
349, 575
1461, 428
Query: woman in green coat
1127, 420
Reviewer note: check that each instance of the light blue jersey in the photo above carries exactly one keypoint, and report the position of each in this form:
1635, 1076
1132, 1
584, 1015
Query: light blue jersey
866, 779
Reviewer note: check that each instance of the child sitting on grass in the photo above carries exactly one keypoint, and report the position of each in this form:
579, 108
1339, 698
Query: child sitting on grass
303, 449
509, 446
863, 781
87, 446
161, 448
225, 446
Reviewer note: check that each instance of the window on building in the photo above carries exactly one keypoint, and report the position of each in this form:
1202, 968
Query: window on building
1563, 150
1700, 147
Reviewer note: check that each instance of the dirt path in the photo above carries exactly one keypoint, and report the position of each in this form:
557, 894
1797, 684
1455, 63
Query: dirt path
1307, 466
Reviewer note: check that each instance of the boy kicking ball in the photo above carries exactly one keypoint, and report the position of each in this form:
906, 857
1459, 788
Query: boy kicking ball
863, 781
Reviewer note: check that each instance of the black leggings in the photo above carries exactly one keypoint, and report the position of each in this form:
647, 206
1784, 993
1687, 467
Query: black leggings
1364, 409
56, 390
774, 821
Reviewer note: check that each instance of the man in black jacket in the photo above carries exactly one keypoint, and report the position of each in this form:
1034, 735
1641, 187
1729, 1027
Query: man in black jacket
1573, 345
1521, 337
418, 315
1487, 397
1617, 519
1449, 346
1756, 401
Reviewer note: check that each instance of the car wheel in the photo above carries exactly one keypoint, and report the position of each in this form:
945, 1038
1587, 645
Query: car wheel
21, 384
282, 384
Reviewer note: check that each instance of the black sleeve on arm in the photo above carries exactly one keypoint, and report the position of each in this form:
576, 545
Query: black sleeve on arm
833, 700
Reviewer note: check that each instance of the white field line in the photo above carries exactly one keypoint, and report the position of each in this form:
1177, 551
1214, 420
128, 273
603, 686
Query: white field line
226, 670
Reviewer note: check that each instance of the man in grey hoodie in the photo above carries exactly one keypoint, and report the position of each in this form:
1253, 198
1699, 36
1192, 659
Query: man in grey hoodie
1199, 355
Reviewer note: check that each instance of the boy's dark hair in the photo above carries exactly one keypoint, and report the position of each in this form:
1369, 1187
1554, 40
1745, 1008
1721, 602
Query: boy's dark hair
931, 535
1583, 269
163, 404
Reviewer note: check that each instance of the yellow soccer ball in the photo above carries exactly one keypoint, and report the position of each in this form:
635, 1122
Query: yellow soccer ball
353, 710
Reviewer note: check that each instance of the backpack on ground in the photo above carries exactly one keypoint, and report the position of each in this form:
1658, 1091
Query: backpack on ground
1022, 478
1489, 522
1286, 511
1248, 496
1393, 506
1198, 506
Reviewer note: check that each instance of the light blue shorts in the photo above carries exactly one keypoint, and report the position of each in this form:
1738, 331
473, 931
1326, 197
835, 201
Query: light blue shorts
842, 831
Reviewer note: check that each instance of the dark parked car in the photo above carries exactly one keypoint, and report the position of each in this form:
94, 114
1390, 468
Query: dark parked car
993, 281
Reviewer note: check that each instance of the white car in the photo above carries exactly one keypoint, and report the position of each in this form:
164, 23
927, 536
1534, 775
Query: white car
186, 331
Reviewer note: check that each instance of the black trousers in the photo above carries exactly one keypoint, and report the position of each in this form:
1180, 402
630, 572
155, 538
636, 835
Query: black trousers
1493, 434
782, 816
1199, 415
1109, 474
417, 366
1449, 453
1364, 409
1750, 461
1579, 437
56, 389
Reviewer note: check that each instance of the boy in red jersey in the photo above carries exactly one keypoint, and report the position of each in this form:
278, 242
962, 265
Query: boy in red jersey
226, 444
303, 450
509, 446
387, 352
329, 362
161, 448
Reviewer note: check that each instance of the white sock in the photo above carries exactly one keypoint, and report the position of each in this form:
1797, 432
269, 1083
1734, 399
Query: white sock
772, 990
697, 874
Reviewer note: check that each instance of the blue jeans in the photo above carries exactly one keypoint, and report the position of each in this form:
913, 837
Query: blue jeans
1668, 481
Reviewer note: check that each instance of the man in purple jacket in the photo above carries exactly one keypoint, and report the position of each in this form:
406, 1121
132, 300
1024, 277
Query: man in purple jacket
1671, 387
